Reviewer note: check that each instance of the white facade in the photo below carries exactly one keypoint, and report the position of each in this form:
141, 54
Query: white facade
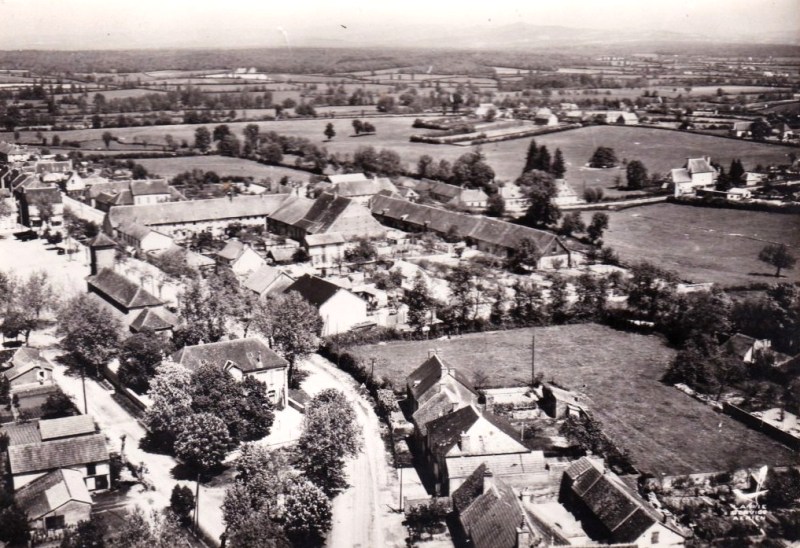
341, 312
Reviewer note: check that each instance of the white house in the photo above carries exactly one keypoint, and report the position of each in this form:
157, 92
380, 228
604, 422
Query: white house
515, 200
240, 257
143, 238
565, 194
268, 280
339, 308
698, 173
150, 191
545, 117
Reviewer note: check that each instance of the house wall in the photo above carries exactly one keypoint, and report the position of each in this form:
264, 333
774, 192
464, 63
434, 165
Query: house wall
665, 537
277, 382
155, 241
326, 255
100, 480
486, 438
20, 480
150, 199
73, 512
342, 312
35, 377
356, 221
184, 230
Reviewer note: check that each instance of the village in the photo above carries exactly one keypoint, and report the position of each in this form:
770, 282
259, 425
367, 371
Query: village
401, 307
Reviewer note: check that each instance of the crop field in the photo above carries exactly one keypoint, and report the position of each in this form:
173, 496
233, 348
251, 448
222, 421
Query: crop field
703, 244
222, 165
665, 430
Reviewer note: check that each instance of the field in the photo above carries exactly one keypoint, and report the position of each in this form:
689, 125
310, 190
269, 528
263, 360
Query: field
222, 165
703, 244
665, 430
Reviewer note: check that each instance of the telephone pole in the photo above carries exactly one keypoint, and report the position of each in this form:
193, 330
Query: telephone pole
533, 358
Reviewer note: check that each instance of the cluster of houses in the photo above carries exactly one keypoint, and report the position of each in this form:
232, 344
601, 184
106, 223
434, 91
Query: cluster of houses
699, 177
506, 495
563, 113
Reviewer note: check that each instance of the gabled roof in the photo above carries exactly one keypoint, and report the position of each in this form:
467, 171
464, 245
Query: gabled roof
739, 344
49, 455
347, 178
439, 405
511, 464
66, 427
323, 213
330, 238
121, 290
489, 514
166, 213
445, 432
145, 187
248, 355
698, 165
22, 433
315, 290
620, 510
680, 175
363, 187
48, 193
149, 319
267, 278
232, 250
18, 361
134, 230
292, 210
101, 240
52, 491
426, 375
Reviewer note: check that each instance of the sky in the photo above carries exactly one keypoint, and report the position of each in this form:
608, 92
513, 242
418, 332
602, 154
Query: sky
120, 24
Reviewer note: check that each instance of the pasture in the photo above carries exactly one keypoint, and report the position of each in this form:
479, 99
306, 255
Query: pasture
222, 165
703, 244
665, 430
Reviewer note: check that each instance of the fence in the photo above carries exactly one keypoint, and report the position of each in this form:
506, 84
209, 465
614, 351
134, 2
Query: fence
759, 424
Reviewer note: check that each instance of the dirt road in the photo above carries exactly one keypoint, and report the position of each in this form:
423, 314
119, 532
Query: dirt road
363, 515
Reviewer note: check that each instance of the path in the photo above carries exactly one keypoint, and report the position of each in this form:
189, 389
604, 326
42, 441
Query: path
615, 203
363, 515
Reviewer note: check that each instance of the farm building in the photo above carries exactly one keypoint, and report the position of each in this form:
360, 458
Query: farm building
143, 238
339, 308
55, 501
358, 187
698, 173
25, 367
240, 258
267, 280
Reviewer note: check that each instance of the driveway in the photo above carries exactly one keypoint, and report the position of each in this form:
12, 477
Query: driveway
364, 514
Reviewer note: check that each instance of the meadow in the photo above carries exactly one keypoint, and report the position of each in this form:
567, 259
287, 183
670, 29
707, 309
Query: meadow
223, 166
665, 430
703, 244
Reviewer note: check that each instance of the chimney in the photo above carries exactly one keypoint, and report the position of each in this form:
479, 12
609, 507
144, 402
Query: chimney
465, 445
524, 535
488, 480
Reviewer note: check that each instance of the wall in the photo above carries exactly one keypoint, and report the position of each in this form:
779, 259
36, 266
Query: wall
342, 312
32, 378
84, 211
757, 424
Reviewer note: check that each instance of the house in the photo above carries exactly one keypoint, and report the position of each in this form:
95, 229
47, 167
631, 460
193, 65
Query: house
565, 195
519, 470
143, 238
741, 129
621, 118
611, 511
53, 171
514, 198
491, 515
184, 218
360, 190
55, 501
325, 250
74, 185
466, 432
545, 117
435, 376
339, 308
268, 280
33, 200
789, 135
746, 348
150, 191
122, 295
35, 449
488, 235
329, 213
560, 403
25, 367
754, 179
11, 153
240, 258
483, 109
698, 173
251, 357
738, 194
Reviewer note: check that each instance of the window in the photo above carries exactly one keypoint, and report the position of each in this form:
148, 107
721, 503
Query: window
54, 522
91, 469
654, 537
101, 482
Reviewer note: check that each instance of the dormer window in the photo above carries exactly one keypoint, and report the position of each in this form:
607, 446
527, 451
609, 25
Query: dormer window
228, 366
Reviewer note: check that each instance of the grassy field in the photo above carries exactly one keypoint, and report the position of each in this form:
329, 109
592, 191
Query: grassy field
703, 244
223, 166
665, 430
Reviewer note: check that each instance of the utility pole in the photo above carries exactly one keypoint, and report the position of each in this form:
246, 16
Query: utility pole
197, 505
533, 357
372, 370
401, 488
83, 382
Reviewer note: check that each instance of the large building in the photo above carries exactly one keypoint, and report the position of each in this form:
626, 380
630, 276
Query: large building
698, 174
300, 217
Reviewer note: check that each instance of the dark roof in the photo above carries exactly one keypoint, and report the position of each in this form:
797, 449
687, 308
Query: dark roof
739, 344
66, 427
425, 376
267, 278
64, 453
149, 186
22, 433
363, 187
50, 194
315, 290
248, 355
153, 321
445, 432
468, 491
699, 165
51, 491
620, 510
491, 518
323, 213
18, 361
121, 290
101, 240
292, 210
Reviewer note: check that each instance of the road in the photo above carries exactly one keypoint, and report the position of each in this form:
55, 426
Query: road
363, 515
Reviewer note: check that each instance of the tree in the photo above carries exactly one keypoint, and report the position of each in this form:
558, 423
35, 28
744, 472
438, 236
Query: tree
368, 127
358, 126
330, 133
203, 313
139, 356
363, 252
531, 157
651, 290
170, 392
592, 296
420, 304
464, 294
44, 208
736, 172
388, 163
603, 157
558, 303
258, 530
58, 405
495, 205
107, 138
572, 223
597, 226
636, 174
203, 441
88, 534
221, 131
525, 257
14, 525
229, 145
307, 513
777, 255
540, 189
760, 129
528, 306
426, 167
330, 435
472, 171
202, 139
293, 325
543, 161
181, 502
559, 167
251, 136
90, 334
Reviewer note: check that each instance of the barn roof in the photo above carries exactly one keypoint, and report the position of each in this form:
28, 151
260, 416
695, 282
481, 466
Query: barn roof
122, 290
250, 354
62, 453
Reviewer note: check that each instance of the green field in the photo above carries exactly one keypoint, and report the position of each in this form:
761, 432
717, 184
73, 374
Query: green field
665, 430
703, 244
223, 166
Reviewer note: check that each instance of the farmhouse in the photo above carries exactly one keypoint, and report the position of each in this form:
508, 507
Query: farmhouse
514, 199
248, 357
469, 198
698, 173
741, 129
25, 367
56, 500
143, 238
545, 117
182, 219
488, 235
240, 258
325, 250
150, 191
358, 187
299, 217
339, 308
565, 195
268, 280
11, 153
